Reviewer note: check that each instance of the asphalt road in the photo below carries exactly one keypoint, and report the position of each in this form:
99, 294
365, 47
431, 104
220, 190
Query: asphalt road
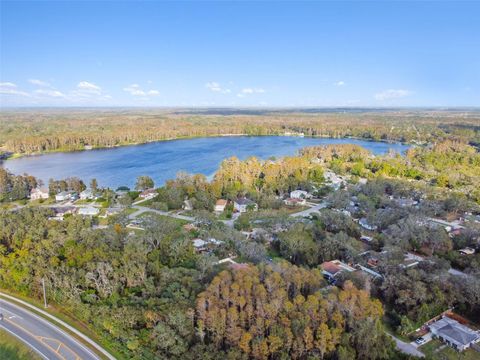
49, 341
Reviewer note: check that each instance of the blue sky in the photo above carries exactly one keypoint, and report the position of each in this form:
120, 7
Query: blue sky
240, 54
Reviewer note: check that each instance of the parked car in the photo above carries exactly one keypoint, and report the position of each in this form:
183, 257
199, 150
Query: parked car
420, 341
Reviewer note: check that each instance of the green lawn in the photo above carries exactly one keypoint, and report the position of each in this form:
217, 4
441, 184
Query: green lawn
13, 349
180, 222
431, 350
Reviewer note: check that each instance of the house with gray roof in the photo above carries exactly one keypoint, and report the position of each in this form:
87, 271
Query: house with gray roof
241, 205
454, 334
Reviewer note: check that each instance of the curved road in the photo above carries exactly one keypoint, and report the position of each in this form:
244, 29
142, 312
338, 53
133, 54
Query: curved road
49, 341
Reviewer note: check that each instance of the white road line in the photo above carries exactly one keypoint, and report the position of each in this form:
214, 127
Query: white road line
25, 342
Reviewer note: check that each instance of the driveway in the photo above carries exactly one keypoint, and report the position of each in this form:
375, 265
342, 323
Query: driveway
407, 348
307, 212
427, 337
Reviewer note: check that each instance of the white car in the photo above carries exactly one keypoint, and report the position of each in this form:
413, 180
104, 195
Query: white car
420, 341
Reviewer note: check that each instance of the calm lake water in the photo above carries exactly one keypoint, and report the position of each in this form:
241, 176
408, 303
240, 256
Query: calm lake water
162, 160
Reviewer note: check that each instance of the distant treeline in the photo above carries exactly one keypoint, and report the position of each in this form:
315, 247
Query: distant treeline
34, 131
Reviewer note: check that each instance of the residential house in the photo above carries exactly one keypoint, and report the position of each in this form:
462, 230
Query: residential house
39, 193
88, 211
243, 204
300, 194
63, 196
220, 205
112, 211
366, 239
199, 245
61, 211
187, 205
454, 334
467, 251
411, 259
331, 269
364, 223
148, 194
87, 195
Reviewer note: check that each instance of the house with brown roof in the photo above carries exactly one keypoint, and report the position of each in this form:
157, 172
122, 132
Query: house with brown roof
331, 269
220, 205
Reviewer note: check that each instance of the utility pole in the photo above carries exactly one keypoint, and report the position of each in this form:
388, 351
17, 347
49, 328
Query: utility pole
44, 293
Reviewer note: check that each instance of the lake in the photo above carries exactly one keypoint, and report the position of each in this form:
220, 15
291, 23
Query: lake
162, 160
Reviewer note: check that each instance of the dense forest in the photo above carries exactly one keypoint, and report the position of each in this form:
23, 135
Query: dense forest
150, 296
26, 131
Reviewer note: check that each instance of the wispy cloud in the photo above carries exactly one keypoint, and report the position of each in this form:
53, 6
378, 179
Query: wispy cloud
339, 83
8, 88
49, 93
391, 94
136, 90
253, 91
38, 82
8, 85
89, 87
250, 91
215, 87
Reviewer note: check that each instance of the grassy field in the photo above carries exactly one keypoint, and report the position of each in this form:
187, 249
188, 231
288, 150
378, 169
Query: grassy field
436, 350
180, 222
13, 349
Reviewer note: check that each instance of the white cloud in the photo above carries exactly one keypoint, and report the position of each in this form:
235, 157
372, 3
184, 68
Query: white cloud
39, 82
6, 91
391, 94
253, 91
8, 88
50, 93
136, 90
88, 86
215, 87
339, 83
7, 85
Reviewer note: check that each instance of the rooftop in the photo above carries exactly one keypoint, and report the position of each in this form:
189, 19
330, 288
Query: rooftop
244, 201
454, 330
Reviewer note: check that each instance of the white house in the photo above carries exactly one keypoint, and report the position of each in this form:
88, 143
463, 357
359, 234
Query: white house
148, 194
299, 194
87, 195
39, 193
467, 251
187, 205
199, 245
220, 205
243, 204
88, 211
62, 196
